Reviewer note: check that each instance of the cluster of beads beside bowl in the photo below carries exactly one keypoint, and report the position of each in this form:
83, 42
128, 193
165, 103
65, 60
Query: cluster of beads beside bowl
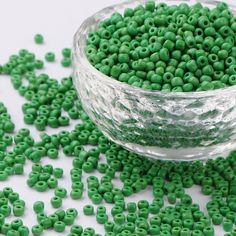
177, 48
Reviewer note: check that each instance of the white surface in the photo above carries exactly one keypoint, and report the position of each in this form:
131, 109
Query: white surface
57, 20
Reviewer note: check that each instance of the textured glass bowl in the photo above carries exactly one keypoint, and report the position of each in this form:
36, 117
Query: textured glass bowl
169, 126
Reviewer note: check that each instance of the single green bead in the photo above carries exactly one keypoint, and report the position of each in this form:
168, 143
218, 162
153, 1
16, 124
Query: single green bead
177, 81
76, 193
101, 209
232, 80
66, 52
101, 218
119, 218
227, 225
223, 54
207, 86
23, 230
96, 198
5, 210
46, 223
88, 210
5, 228
66, 62
60, 192
63, 121
41, 186
76, 229
69, 219
52, 182
37, 230
164, 54
52, 153
58, 172
56, 202
59, 226
209, 231
185, 232
18, 210
53, 218
15, 224
217, 219
13, 232
207, 189
38, 38
50, 56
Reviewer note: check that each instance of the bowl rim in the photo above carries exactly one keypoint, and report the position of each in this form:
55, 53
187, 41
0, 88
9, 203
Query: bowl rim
80, 55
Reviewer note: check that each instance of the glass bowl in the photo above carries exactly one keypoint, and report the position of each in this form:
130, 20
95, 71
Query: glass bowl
162, 125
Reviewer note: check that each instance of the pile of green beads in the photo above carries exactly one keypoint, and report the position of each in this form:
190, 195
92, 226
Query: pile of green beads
44, 177
46, 98
13, 162
57, 221
15, 228
178, 48
10, 203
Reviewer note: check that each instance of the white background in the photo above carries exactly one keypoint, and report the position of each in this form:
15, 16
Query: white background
57, 20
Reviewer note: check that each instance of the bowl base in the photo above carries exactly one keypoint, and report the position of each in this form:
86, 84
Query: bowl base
180, 154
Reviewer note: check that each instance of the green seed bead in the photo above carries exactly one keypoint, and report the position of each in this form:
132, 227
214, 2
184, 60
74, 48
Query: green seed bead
101, 209
102, 218
76, 194
59, 226
13, 232
66, 62
5, 210
23, 230
88, 210
56, 202
38, 38
52, 183
16, 224
5, 228
227, 225
7, 191
3, 175
13, 197
18, 210
50, 56
60, 192
52, 153
217, 219
209, 231
119, 218
176, 231
164, 54
76, 229
58, 172
37, 230
41, 186
46, 223
96, 198
131, 207
53, 218
18, 169
232, 80
68, 219
66, 52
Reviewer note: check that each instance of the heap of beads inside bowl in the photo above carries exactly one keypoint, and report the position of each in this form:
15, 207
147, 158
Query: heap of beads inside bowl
178, 48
